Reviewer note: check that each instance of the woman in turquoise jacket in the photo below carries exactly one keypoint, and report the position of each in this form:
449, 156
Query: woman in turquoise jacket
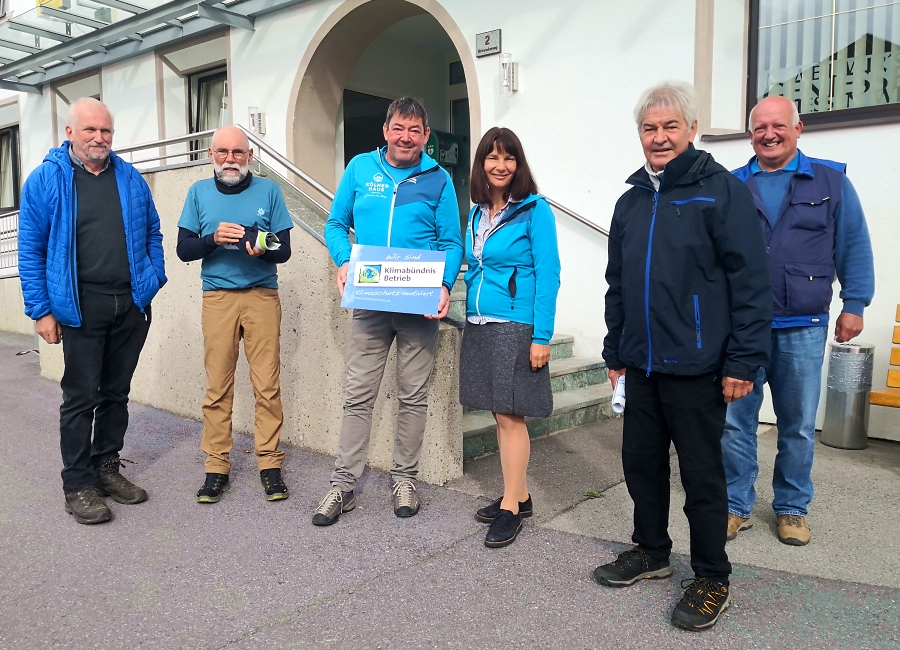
512, 282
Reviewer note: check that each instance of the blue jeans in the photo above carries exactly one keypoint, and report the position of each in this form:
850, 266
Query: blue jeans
794, 375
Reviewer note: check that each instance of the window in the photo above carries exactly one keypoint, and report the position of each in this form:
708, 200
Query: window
208, 105
836, 59
9, 169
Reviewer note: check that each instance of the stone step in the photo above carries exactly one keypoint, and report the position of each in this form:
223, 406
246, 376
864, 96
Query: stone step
571, 408
576, 372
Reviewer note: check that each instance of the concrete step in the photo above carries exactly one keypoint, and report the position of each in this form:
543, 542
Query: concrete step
571, 408
576, 372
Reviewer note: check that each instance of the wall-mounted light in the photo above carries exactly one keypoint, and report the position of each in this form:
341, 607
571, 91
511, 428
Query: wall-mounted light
257, 121
509, 74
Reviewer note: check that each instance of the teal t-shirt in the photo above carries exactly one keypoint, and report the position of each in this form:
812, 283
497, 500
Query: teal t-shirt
206, 207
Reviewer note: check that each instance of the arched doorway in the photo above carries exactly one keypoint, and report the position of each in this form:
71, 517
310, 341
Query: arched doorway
345, 53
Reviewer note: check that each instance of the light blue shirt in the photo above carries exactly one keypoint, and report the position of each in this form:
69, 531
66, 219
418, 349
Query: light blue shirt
261, 204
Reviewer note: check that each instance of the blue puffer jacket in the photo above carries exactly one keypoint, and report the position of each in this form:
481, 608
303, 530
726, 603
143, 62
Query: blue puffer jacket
517, 277
47, 243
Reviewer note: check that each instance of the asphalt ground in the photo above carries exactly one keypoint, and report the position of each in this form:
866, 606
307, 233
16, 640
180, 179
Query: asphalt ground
246, 573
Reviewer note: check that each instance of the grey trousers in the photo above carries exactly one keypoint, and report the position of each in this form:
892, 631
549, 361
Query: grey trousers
371, 335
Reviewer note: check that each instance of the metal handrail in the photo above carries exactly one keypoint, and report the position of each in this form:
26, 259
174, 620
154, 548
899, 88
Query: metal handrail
309, 180
590, 224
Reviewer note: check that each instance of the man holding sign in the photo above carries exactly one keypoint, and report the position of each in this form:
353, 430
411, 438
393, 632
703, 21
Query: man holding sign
403, 209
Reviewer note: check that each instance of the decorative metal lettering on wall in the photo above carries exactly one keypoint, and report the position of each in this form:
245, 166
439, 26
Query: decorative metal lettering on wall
488, 43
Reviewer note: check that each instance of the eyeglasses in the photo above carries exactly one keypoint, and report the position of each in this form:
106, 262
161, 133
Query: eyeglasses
222, 154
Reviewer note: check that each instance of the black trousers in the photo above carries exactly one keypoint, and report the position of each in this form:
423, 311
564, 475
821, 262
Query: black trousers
689, 412
100, 358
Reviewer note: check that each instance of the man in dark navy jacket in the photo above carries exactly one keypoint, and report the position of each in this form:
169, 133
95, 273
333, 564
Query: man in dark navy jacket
688, 312
814, 228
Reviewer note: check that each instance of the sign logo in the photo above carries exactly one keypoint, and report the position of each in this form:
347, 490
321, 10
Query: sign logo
378, 177
370, 274
260, 212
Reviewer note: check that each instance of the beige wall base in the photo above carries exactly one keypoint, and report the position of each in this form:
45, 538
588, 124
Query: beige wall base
12, 308
314, 336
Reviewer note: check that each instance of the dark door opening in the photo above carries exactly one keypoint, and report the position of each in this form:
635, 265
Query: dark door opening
363, 119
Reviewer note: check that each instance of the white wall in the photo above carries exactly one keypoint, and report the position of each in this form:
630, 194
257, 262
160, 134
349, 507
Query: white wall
129, 90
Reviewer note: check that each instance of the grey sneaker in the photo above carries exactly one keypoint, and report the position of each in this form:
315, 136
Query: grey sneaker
406, 499
332, 505
86, 507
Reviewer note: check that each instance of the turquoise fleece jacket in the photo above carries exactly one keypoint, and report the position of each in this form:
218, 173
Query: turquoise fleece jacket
517, 277
405, 208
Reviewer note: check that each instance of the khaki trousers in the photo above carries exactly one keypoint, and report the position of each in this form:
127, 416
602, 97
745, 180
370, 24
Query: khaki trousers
228, 316
371, 336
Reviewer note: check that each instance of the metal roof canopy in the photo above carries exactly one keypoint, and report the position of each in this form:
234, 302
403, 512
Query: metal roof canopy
149, 30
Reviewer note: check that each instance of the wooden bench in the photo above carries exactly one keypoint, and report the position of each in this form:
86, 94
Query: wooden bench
890, 396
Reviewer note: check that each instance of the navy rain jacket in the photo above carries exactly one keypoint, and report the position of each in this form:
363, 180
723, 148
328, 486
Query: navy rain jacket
689, 290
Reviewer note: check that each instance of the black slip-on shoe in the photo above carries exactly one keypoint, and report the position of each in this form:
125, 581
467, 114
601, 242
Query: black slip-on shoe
703, 602
486, 514
504, 529
212, 489
629, 567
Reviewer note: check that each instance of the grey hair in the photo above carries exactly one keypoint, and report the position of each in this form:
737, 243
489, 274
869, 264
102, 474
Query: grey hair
85, 101
795, 114
669, 94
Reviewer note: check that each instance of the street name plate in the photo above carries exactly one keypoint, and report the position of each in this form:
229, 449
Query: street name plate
487, 43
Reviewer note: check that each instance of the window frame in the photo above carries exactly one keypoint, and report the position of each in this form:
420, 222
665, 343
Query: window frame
841, 117
13, 130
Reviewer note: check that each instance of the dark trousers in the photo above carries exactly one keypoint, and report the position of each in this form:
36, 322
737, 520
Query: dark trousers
689, 412
100, 358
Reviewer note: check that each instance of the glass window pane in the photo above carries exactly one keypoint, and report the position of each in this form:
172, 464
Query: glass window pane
7, 190
776, 12
795, 61
867, 61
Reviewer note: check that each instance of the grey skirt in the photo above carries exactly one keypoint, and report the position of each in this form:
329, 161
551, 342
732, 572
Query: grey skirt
495, 371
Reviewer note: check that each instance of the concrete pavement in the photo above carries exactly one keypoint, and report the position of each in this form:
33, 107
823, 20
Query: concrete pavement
245, 573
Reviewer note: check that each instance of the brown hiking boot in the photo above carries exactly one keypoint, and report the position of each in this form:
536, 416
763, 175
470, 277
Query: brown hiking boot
737, 524
793, 530
87, 508
113, 484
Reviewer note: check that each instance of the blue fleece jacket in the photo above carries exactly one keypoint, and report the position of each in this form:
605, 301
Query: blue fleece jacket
414, 207
47, 245
517, 277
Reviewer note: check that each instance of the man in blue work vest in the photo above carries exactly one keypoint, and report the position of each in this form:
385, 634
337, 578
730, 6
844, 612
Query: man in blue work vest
814, 227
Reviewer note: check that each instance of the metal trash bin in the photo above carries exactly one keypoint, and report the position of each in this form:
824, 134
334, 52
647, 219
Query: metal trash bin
846, 423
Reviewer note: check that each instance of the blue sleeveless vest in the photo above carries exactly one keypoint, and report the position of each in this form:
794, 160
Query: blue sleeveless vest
801, 246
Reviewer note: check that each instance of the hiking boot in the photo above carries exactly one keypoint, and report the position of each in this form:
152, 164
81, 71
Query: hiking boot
793, 530
87, 508
406, 499
212, 489
737, 524
487, 513
113, 484
630, 567
504, 529
703, 601
332, 505
272, 483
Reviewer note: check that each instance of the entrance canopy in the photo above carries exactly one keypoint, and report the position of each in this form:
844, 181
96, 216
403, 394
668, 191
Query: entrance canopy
59, 38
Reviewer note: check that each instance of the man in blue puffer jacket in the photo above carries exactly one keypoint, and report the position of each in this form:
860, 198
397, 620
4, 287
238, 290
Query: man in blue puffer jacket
90, 262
